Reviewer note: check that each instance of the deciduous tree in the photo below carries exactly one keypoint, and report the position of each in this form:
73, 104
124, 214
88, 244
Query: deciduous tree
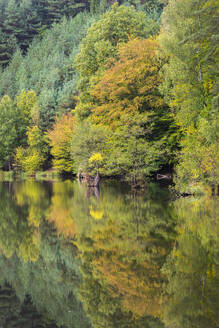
60, 140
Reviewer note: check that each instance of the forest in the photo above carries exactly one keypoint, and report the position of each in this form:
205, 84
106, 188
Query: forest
126, 89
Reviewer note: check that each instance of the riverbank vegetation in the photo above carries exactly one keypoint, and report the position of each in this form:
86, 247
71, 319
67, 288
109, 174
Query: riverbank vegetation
126, 89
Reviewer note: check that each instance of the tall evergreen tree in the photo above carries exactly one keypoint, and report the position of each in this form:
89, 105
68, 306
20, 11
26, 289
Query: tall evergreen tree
13, 23
8, 45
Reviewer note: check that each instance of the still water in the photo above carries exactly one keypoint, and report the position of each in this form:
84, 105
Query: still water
110, 258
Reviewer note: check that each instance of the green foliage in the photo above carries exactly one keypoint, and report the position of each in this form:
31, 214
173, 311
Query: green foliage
130, 154
47, 69
8, 132
102, 66
32, 158
101, 43
127, 102
88, 140
153, 6
22, 20
60, 140
7, 48
199, 158
189, 39
15, 116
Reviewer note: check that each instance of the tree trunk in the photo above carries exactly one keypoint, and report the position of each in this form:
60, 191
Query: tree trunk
96, 180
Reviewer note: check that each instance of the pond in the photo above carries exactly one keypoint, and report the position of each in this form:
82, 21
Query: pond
74, 257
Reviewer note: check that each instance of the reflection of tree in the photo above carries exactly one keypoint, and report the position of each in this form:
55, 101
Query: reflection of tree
136, 265
122, 253
15, 314
32, 195
15, 234
35, 196
51, 279
192, 268
61, 210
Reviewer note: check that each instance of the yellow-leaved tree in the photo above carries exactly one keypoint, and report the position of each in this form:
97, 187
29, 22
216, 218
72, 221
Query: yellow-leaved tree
60, 140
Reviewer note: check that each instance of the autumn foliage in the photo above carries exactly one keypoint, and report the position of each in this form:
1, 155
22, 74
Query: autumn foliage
129, 85
60, 140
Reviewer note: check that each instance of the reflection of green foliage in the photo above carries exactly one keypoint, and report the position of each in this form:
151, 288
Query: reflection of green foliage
34, 195
192, 268
15, 234
9, 304
122, 255
52, 280
135, 261
13, 313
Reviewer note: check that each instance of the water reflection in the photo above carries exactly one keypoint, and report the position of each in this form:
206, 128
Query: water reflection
86, 258
192, 268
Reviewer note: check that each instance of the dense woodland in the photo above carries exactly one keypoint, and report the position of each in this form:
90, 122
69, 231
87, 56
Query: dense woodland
124, 89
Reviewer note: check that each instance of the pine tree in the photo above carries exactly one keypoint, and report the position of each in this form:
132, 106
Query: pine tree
54, 10
13, 23
8, 45
31, 27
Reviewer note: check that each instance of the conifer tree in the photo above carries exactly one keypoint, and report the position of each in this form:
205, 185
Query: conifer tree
8, 45
13, 23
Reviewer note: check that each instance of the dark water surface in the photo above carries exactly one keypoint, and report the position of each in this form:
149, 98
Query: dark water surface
77, 258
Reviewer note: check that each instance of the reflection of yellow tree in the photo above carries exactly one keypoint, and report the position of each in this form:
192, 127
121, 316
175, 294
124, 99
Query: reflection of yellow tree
31, 194
51, 281
125, 252
29, 248
140, 290
128, 271
192, 267
20, 219
61, 208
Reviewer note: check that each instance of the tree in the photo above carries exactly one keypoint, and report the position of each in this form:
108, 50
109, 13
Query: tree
47, 69
15, 117
130, 155
101, 43
130, 85
32, 158
22, 20
60, 140
88, 140
8, 45
199, 159
189, 37
127, 100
